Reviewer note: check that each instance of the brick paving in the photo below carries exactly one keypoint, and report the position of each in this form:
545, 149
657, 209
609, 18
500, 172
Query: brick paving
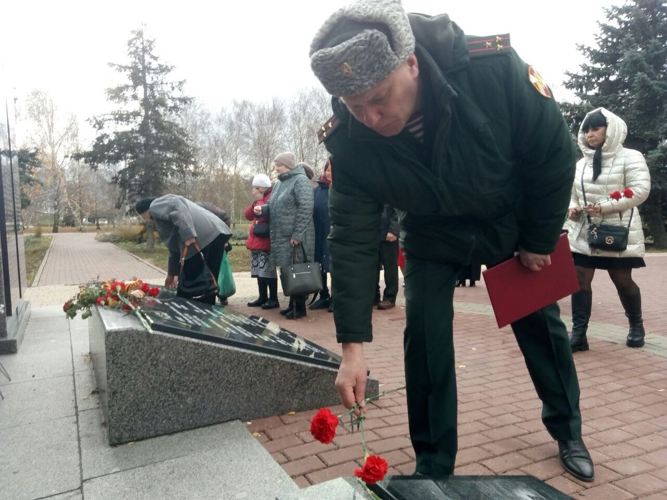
76, 258
623, 399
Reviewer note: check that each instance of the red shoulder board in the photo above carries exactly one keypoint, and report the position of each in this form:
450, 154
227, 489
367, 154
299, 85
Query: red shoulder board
327, 128
488, 45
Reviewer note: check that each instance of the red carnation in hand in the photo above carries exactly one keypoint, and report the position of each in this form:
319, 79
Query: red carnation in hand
154, 292
627, 192
374, 470
323, 426
145, 287
616, 195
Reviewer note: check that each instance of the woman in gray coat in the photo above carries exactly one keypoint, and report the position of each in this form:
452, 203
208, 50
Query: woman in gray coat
290, 209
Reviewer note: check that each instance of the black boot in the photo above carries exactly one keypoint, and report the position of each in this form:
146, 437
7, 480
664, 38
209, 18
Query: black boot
272, 303
581, 313
298, 309
261, 285
284, 312
323, 302
633, 310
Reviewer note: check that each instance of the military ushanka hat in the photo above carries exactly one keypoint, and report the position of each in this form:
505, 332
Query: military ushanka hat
360, 45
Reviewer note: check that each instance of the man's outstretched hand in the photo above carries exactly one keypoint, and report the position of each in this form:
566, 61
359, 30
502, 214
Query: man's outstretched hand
351, 379
534, 261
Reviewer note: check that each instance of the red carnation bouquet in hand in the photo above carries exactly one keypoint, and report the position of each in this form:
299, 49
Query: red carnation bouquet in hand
115, 295
323, 428
618, 195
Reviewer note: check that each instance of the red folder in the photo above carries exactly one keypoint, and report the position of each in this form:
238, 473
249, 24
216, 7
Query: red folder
516, 291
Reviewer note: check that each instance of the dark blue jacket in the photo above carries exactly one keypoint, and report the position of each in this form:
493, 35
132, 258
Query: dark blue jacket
322, 223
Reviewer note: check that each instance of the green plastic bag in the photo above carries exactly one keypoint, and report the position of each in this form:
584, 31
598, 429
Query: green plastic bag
226, 278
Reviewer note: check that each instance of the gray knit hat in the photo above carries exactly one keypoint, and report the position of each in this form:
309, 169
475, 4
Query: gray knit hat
287, 158
360, 45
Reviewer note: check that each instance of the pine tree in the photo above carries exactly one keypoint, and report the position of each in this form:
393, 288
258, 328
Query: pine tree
627, 74
142, 137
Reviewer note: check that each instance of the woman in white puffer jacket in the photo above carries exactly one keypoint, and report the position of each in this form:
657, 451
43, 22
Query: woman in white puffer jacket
606, 170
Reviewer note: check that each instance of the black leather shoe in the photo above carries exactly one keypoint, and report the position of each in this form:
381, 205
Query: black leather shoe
258, 302
576, 460
271, 304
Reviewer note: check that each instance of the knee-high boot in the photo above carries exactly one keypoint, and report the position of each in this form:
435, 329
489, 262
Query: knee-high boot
299, 308
261, 285
581, 314
633, 310
284, 312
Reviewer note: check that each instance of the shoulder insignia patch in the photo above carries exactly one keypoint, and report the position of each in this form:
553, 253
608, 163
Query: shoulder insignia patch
488, 45
538, 82
327, 128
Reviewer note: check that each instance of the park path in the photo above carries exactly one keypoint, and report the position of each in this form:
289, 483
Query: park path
77, 258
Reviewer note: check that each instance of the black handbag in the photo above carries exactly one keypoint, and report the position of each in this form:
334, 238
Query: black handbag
301, 279
609, 238
261, 230
204, 285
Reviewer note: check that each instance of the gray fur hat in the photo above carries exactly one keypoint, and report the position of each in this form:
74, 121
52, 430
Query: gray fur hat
360, 45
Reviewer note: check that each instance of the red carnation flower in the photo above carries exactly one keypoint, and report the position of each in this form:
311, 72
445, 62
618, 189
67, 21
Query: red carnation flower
323, 426
66, 306
126, 307
627, 192
118, 287
616, 195
145, 287
100, 301
154, 292
374, 470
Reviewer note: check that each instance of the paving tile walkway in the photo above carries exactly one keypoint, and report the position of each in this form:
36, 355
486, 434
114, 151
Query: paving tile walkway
623, 401
76, 258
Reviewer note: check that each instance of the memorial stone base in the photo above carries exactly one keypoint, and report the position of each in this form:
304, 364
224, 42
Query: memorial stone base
466, 488
158, 383
14, 329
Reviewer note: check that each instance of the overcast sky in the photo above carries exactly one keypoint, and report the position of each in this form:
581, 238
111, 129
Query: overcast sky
243, 49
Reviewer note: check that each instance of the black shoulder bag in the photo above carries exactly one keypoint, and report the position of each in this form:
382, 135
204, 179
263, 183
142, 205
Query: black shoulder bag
609, 238
301, 279
205, 284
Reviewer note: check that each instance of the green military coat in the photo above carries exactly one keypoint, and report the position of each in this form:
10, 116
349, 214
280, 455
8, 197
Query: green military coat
498, 172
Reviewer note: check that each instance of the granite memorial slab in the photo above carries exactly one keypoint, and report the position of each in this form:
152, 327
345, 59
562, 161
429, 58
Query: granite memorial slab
466, 488
202, 365
14, 310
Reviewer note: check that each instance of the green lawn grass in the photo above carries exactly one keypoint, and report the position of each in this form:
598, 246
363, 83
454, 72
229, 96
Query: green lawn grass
239, 257
35, 249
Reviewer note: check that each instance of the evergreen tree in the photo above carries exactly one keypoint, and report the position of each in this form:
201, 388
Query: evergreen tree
142, 137
627, 74
28, 161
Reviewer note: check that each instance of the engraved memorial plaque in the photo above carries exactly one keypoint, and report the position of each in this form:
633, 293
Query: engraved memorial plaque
216, 324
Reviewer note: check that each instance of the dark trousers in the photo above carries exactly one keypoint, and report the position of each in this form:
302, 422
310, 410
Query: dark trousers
431, 376
388, 258
193, 266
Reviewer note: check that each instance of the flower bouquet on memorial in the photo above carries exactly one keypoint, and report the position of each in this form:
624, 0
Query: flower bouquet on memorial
323, 428
113, 294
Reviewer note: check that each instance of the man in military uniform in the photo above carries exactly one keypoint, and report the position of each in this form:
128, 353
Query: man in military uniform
466, 141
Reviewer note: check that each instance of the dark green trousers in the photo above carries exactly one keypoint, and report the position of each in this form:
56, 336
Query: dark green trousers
430, 370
